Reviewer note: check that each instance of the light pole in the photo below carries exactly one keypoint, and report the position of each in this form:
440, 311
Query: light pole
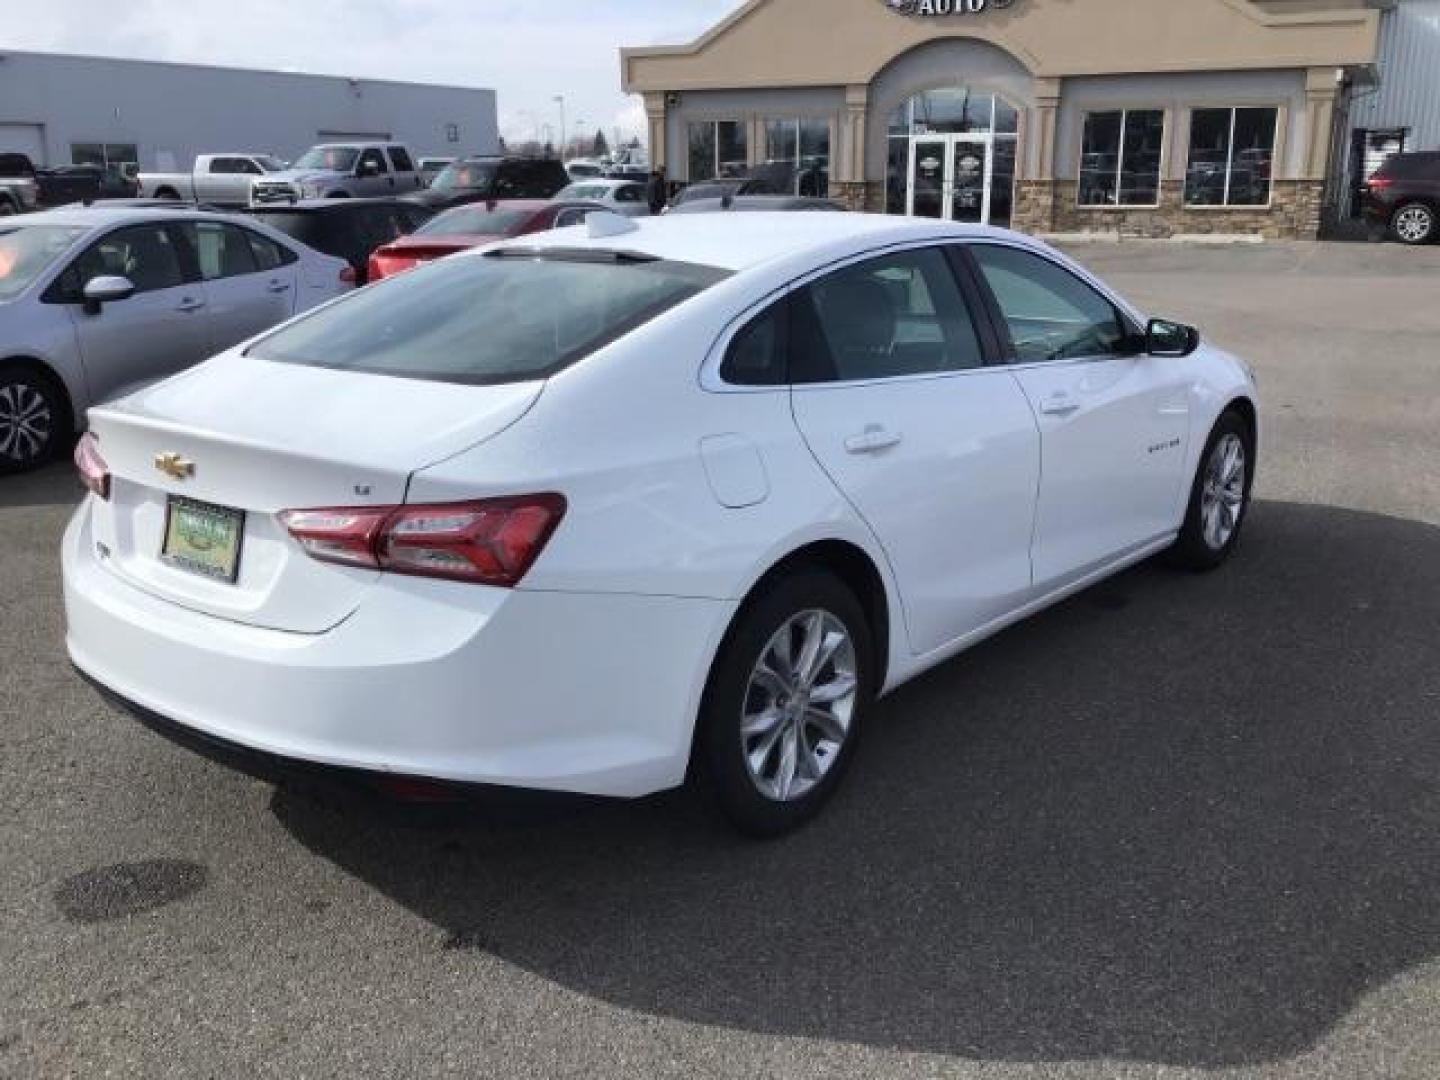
560, 100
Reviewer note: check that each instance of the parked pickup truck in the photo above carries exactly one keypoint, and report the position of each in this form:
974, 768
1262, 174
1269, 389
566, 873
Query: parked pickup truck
217, 179
341, 170
19, 189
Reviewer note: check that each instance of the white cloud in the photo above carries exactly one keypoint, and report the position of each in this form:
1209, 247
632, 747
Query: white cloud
529, 52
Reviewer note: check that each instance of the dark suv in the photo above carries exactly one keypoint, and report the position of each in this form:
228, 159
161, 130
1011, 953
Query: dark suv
476, 179
349, 229
1404, 197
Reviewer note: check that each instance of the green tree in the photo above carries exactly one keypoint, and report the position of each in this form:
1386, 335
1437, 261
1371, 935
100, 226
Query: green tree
601, 147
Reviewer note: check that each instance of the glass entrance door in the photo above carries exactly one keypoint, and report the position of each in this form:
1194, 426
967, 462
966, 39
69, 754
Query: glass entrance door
970, 183
929, 177
951, 177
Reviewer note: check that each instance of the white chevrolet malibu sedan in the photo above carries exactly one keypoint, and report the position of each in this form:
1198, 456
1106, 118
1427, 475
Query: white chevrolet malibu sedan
590, 510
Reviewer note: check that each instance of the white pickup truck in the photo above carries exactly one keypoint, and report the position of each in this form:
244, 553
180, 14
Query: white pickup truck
218, 179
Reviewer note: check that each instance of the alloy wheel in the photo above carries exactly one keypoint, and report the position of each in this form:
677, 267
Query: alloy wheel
798, 705
1222, 496
26, 422
1414, 224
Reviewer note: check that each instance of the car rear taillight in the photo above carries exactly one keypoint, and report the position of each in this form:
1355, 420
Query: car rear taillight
348, 276
94, 473
1379, 183
489, 542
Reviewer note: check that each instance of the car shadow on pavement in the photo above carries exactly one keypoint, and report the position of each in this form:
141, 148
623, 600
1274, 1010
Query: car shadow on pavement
1179, 819
54, 485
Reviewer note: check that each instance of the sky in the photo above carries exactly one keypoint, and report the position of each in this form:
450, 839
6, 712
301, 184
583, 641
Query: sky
529, 51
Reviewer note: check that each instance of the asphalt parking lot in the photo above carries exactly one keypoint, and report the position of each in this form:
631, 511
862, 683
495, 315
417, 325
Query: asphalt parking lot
1175, 827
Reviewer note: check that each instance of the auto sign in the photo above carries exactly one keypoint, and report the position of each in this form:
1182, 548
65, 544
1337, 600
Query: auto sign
945, 7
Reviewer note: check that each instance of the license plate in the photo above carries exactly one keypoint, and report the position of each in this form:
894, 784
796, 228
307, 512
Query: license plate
203, 539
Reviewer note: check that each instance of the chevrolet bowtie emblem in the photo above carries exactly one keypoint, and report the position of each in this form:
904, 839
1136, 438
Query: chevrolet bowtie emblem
173, 465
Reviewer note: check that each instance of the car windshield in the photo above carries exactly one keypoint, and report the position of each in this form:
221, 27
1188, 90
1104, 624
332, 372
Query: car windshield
464, 175
330, 158
26, 250
269, 164
484, 320
474, 221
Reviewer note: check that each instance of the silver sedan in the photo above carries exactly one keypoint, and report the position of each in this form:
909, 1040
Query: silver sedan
96, 300
625, 197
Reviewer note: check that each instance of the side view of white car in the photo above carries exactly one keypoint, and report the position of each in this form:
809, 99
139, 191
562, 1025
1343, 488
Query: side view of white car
94, 300
585, 510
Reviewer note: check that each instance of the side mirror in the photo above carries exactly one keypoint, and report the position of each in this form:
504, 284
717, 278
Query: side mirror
1166, 338
106, 290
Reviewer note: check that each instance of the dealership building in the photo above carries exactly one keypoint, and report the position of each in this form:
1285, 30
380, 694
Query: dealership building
1138, 117
127, 114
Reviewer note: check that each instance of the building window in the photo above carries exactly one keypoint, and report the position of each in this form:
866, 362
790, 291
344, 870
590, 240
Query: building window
1232, 154
1120, 158
718, 148
797, 156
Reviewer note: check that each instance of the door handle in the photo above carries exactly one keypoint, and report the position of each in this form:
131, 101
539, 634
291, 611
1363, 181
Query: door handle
189, 303
279, 286
872, 440
1059, 404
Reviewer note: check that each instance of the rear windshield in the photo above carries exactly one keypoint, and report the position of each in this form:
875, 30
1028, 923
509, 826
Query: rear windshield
307, 228
26, 250
488, 319
474, 221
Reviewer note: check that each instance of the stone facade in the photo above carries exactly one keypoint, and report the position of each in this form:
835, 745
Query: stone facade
1293, 214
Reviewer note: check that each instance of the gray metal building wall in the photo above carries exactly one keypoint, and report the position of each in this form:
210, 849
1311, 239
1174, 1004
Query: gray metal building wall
175, 111
1409, 92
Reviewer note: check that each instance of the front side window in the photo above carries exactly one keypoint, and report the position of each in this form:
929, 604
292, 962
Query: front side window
1120, 158
717, 148
401, 157
890, 317
146, 254
501, 318
1232, 154
1049, 312
339, 159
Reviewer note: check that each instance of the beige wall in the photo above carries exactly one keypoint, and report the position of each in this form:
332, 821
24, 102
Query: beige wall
777, 43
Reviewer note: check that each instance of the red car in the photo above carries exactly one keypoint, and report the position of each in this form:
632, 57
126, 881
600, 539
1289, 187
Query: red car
472, 225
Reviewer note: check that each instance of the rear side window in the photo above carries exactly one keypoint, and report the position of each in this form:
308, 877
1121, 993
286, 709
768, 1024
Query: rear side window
756, 356
401, 158
895, 316
486, 320
222, 250
309, 229
268, 254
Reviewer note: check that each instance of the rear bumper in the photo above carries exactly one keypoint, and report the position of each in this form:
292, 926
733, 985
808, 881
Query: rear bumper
587, 693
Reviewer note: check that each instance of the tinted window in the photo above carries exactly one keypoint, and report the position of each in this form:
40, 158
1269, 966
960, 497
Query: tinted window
630, 193
16, 165
373, 158
898, 315
474, 220
574, 216
309, 229
268, 254
401, 158
221, 250
756, 356
486, 320
145, 254
1051, 314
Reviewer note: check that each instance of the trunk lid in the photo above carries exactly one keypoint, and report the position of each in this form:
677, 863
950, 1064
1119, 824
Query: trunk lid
261, 437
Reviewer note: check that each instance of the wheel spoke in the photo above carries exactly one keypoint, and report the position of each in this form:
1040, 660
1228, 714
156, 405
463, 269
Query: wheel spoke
810, 647
761, 723
841, 686
827, 723
789, 762
761, 753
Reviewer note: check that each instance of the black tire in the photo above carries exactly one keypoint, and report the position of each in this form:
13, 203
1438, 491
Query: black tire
33, 395
721, 762
7, 208
338, 195
1194, 549
1414, 223
168, 193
